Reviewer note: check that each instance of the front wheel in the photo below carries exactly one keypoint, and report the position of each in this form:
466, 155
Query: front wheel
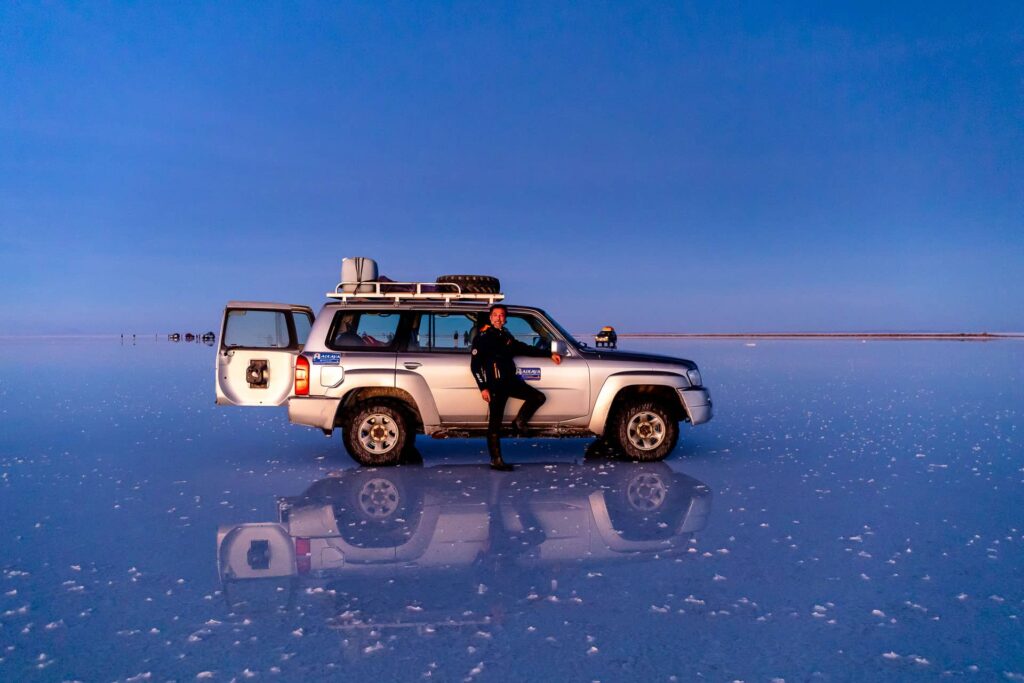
376, 434
644, 430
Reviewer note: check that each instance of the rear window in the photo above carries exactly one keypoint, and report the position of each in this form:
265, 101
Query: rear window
363, 331
303, 324
257, 329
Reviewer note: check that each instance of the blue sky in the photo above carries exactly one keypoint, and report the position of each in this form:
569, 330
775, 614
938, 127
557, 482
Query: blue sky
659, 167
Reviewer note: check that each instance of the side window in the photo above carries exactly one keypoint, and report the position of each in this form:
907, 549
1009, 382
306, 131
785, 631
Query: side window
257, 329
303, 323
363, 331
442, 332
528, 330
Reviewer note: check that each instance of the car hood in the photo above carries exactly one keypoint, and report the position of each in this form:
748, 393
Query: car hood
652, 358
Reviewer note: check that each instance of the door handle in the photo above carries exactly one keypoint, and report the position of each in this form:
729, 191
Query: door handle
412, 365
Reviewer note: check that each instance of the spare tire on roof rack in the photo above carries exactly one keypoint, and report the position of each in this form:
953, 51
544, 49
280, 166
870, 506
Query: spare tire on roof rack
473, 284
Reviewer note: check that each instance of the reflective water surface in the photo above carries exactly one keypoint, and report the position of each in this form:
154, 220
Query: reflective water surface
852, 512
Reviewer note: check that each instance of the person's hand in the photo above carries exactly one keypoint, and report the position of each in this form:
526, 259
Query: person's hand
556, 358
486, 395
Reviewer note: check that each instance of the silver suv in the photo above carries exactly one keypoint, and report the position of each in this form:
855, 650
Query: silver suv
384, 361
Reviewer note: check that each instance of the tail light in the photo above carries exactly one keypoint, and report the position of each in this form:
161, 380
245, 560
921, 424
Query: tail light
302, 555
301, 376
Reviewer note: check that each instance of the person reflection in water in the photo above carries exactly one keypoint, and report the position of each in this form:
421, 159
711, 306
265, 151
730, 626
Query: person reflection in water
494, 370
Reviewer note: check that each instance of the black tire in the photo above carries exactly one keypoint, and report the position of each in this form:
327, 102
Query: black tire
473, 284
644, 430
377, 433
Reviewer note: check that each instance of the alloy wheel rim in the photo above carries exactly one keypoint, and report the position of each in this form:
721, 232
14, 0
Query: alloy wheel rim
646, 430
378, 433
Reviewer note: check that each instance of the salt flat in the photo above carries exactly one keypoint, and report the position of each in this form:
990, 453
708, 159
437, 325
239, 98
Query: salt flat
862, 521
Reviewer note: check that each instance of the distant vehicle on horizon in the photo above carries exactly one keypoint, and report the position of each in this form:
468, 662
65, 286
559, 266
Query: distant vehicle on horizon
606, 337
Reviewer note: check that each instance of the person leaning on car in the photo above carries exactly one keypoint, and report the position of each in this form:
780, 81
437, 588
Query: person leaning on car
494, 370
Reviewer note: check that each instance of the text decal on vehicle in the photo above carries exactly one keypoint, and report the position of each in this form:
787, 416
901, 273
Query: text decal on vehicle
528, 374
326, 358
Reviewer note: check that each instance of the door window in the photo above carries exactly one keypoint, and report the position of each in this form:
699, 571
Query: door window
528, 330
257, 330
452, 332
363, 331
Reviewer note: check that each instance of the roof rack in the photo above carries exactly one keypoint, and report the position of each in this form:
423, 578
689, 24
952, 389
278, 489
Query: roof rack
399, 291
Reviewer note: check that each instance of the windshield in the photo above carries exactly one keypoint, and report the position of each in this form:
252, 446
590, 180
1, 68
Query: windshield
568, 337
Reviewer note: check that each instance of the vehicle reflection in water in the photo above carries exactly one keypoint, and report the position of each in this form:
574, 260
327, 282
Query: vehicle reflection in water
387, 541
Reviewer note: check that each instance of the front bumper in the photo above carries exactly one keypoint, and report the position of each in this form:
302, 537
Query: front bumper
698, 404
313, 411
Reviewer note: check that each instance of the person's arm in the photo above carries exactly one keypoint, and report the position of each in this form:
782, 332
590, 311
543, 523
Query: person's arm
523, 349
477, 357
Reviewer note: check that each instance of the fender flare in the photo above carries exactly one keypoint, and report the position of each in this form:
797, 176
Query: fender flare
623, 380
413, 384
418, 398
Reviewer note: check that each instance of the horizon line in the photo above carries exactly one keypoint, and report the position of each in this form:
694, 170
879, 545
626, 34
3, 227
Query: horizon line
632, 335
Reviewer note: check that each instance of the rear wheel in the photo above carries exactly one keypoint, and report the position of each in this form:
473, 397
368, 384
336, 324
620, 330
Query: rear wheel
644, 430
473, 284
376, 434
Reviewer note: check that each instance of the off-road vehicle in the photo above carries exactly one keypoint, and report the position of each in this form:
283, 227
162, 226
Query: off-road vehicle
606, 337
384, 361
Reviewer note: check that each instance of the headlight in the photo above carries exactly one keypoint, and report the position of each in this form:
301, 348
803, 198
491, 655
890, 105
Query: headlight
694, 377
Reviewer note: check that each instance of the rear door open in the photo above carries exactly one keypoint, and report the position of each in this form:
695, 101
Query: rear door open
256, 356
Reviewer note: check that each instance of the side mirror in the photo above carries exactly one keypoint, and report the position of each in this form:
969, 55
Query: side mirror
560, 347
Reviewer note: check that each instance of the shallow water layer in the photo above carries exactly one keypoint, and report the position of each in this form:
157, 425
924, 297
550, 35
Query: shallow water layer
852, 512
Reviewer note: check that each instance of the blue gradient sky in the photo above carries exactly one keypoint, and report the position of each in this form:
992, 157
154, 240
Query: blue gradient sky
684, 167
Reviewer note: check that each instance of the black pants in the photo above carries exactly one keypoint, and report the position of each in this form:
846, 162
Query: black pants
500, 395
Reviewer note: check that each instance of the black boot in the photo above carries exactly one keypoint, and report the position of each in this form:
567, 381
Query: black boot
519, 427
494, 446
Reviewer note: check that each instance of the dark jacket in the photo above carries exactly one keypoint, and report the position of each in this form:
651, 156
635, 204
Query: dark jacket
492, 354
